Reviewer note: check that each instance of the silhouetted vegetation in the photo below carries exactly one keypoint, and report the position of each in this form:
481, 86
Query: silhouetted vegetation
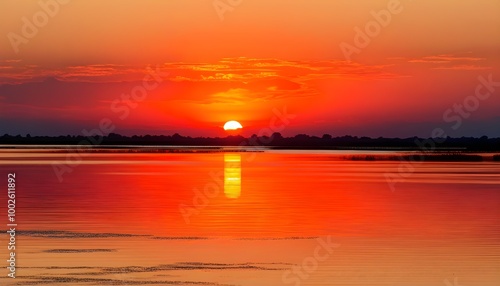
276, 141
436, 157
444, 157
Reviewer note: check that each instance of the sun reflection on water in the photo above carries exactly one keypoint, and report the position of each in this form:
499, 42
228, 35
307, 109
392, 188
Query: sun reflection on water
232, 175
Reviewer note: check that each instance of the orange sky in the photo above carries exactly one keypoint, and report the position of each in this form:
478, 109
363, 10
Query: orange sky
241, 64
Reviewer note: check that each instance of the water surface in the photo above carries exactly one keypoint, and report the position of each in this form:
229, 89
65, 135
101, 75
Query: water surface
232, 218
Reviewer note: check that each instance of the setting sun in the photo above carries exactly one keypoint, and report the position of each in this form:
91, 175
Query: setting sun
232, 125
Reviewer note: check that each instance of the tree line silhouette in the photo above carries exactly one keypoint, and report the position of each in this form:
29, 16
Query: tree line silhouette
276, 140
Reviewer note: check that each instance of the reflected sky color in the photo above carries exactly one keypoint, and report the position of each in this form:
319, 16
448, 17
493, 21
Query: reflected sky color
441, 223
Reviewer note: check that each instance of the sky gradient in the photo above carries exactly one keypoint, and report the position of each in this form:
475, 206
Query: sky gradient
201, 67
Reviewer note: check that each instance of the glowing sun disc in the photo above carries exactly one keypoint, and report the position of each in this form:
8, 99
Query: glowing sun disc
232, 125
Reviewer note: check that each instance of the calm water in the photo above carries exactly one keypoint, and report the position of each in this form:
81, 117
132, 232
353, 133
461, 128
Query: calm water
266, 218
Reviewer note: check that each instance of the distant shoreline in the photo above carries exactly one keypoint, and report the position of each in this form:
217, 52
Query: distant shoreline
276, 141
357, 155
